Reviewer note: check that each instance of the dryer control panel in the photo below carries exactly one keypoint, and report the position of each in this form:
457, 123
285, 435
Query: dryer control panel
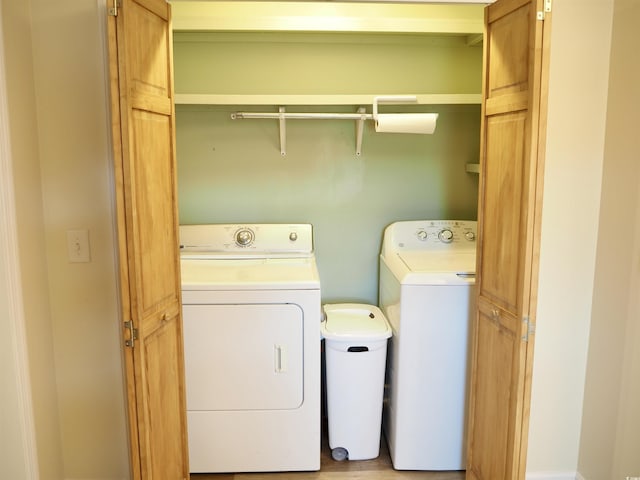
243, 240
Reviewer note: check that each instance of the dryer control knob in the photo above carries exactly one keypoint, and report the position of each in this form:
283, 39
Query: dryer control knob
422, 235
293, 236
244, 237
445, 235
470, 236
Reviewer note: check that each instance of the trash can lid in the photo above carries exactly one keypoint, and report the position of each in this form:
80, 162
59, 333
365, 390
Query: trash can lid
354, 321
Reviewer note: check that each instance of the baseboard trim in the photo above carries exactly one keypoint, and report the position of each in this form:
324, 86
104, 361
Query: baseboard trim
101, 478
553, 476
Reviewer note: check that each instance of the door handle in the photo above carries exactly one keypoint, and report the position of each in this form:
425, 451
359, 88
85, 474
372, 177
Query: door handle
280, 358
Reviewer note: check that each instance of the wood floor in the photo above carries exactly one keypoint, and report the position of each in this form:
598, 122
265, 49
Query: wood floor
378, 469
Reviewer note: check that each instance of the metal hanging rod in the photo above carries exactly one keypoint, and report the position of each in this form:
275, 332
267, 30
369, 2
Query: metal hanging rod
303, 116
425, 122
282, 115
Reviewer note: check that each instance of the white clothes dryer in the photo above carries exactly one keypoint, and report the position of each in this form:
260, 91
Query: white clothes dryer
252, 311
427, 292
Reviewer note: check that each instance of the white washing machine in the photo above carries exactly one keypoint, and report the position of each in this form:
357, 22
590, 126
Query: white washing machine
252, 311
427, 283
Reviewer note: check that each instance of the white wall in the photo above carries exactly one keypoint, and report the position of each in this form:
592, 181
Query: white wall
18, 456
56, 84
578, 83
626, 461
15, 455
584, 416
23, 128
70, 82
610, 443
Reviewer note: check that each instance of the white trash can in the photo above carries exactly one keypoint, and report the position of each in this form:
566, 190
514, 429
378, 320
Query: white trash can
355, 351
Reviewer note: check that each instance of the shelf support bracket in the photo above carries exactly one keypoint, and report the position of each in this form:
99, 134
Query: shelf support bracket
473, 168
283, 132
360, 130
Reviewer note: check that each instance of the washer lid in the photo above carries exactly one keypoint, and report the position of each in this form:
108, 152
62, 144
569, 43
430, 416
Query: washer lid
439, 262
354, 321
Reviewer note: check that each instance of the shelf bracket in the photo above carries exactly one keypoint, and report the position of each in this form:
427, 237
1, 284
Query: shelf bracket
473, 40
473, 168
283, 132
360, 130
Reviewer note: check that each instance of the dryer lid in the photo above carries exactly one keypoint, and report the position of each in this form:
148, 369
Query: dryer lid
249, 274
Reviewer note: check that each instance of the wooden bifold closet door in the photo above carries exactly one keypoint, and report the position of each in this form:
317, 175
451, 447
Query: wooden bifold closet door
143, 118
511, 159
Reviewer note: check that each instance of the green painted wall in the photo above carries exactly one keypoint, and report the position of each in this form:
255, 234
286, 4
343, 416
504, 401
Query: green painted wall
314, 63
231, 171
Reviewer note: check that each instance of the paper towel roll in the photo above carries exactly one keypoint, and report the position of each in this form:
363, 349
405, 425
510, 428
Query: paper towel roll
406, 122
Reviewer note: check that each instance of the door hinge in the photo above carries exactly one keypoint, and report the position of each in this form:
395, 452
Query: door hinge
546, 9
113, 9
133, 334
529, 328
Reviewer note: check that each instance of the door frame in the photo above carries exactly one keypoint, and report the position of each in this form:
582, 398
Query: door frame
14, 328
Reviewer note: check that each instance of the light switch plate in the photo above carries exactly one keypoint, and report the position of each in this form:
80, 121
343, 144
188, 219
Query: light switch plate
78, 246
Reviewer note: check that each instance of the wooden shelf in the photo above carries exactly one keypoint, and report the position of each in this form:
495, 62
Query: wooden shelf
423, 99
229, 16
473, 168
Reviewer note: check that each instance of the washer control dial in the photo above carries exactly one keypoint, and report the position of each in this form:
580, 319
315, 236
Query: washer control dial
293, 236
422, 235
244, 237
470, 236
445, 235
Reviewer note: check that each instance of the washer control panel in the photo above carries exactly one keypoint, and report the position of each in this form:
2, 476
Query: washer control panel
431, 234
257, 240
